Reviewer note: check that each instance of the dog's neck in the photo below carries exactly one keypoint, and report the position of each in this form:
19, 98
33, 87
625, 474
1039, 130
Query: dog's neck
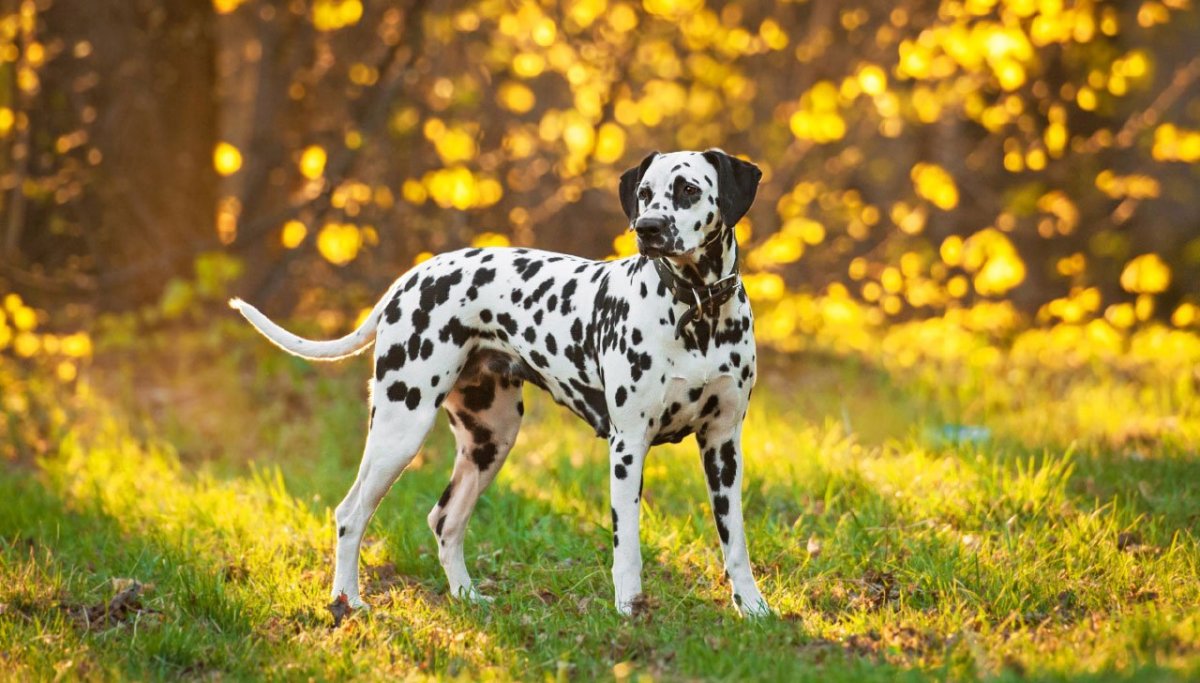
711, 262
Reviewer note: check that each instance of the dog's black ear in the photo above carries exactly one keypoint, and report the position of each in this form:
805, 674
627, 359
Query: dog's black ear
737, 183
629, 184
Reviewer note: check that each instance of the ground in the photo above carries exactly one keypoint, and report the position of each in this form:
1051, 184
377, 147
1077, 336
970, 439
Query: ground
168, 514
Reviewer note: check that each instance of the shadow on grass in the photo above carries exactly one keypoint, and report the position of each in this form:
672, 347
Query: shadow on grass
77, 550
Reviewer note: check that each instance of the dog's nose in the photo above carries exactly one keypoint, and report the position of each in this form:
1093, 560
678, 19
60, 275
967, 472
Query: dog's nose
650, 226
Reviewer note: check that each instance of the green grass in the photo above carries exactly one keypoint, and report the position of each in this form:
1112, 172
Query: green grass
1062, 547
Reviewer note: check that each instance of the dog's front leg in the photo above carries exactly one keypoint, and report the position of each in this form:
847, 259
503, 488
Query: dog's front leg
721, 450
626, 456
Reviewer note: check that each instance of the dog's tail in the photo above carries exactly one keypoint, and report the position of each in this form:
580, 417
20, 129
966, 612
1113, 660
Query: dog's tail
333, 349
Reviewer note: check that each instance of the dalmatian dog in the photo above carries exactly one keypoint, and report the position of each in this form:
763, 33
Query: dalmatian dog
646, 349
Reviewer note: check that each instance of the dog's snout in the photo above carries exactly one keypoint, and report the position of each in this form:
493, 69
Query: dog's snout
650, 226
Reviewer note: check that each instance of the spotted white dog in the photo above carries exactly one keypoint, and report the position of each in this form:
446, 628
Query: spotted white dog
647, 350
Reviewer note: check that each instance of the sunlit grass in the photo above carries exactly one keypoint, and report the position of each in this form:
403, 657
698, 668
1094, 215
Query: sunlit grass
1058, 540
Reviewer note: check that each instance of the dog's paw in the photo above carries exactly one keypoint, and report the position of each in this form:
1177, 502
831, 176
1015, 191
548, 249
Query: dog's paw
640, 605
471, 594
752, 607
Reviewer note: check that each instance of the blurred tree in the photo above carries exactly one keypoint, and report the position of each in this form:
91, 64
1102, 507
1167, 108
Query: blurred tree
920, 157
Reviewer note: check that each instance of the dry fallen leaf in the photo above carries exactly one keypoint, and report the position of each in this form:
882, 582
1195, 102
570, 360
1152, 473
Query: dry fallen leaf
340, 609
126, 604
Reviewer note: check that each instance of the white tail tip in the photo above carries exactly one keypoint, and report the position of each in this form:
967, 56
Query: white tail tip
236, 303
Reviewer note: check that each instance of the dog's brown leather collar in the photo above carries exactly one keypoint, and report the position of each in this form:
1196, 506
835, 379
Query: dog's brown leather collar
701, 301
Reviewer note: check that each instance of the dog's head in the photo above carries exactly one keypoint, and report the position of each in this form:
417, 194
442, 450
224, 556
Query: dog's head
679, 201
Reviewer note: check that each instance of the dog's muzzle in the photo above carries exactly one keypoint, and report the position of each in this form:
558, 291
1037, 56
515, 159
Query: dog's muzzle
651, 228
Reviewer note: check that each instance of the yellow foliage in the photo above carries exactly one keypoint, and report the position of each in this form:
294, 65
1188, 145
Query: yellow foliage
1070, 266
610, 143
672, 8
994, 260
1146, 274
226, 6
584, 12
872, 79
227, 159
936, 185
414, 192
490, 239
26, 344
453, 144
339, 243
625, 244
331, 15
1064, 210
529, 64
817, 118
1185, 314
312, 162
623, 18
78, 345
762, 287
457, 187
65, 371
293, 234
516, 97
578, 134
909, 219
1176, 144
778, 249
1134, 186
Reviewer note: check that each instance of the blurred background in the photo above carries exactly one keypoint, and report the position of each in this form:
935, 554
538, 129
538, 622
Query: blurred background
999, 165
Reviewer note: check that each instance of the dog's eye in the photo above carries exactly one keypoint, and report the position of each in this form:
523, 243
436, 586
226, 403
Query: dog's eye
644, 194
691, 190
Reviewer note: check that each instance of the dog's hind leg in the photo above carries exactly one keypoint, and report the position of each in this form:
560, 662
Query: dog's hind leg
485, 413
396, 433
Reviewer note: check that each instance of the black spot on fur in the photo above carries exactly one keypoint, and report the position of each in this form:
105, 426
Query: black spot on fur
483, 276
392, 360
479, 397
507, 323
413, 399
728, 463
397, 392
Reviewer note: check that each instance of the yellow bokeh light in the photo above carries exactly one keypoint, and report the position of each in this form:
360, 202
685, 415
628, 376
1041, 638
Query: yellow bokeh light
293, 234
936, 185
226, 6
528, 64
312, 162
339, 243
490, 239
1146, 274
78, 345
516, 97
1185, 314
455, 144
227, 159
331, 15
610, 143
872, 79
